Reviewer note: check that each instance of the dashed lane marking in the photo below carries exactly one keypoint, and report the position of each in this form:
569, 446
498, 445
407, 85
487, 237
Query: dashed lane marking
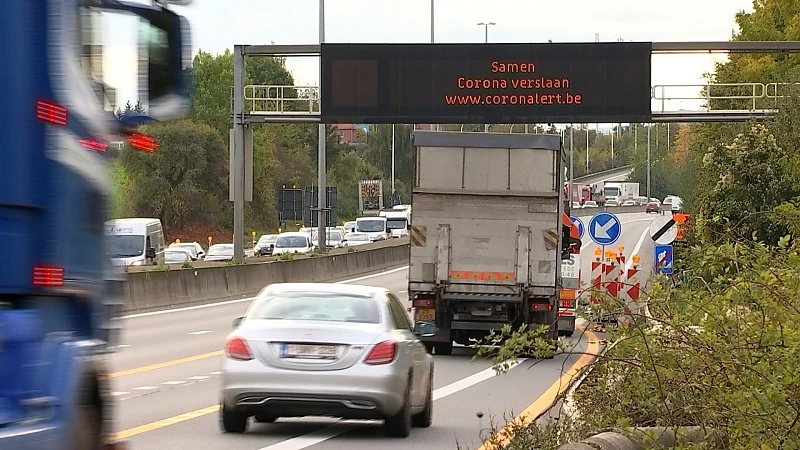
162, 365
197, 333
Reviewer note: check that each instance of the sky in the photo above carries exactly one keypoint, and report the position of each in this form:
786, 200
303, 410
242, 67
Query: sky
219, 24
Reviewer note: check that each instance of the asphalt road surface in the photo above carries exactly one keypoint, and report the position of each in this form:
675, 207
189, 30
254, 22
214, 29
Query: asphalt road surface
167, 385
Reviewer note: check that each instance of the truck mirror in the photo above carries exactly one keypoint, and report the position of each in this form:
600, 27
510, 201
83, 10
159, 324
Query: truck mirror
150, 253
165, 36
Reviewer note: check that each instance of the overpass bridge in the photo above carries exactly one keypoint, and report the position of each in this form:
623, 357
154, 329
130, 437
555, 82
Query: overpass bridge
615, 174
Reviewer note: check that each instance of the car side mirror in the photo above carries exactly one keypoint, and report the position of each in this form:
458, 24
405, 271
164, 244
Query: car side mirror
237, 321
425, 329
150, 253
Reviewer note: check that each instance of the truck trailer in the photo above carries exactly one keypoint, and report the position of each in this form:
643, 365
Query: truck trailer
488, 237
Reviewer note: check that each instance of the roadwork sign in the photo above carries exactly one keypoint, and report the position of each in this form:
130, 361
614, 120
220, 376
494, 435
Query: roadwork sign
605, 228
663, 259
663, 230
579, 224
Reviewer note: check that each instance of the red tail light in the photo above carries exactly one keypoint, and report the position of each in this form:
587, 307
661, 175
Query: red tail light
51, 113
237, 348
143, 142
383, 353
91, 144
422, 303
48, 276
566, 304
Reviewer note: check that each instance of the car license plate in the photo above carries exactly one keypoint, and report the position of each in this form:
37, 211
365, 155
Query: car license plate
308, 351
426, 314
566, 324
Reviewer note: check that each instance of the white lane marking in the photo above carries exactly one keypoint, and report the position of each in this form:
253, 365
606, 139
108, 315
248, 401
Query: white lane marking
218, 372
123, 346
174, 382
198, 377
247, 299
146, 388
117, 394
637, 248
341, 427
196, 333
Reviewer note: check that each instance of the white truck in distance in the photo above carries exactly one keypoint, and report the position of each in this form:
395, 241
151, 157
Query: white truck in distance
620, 191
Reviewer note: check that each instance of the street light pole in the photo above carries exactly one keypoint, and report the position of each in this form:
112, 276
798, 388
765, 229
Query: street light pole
486, 41
321, 163
392, 160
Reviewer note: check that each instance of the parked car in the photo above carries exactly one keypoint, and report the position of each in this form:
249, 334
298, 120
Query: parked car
342, 350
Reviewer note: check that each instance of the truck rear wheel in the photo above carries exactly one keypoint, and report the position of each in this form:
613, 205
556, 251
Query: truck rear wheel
444, 348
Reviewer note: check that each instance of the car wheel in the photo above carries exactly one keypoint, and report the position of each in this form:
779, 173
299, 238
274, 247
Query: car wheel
444, 348
233, 421
424, 418
399, 425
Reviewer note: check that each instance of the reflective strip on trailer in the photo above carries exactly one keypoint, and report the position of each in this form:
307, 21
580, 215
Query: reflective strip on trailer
418, 236
484, 276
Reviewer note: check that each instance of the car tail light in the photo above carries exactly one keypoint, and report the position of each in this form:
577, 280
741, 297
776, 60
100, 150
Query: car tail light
566, 304
48, 276
143, 142
237, 348
51, 113
383, 353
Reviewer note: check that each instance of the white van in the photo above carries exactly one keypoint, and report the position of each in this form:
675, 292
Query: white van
135, 242
396, 221
292, 242
374, 227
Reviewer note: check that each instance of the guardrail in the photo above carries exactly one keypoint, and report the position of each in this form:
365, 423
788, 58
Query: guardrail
163, 289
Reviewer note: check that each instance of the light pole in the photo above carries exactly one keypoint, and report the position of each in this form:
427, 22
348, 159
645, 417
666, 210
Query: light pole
392, 159
436, 127
321, 163
486, 41
648, 163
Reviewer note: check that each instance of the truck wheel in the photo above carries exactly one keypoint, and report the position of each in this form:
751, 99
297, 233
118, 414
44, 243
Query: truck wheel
85, 431
444, 348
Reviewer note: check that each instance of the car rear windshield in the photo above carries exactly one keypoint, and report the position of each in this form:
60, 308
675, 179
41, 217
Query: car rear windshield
328, 307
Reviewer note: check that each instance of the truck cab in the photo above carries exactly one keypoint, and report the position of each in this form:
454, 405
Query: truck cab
59, 292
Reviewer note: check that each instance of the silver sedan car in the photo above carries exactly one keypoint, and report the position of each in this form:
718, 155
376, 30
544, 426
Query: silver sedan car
321, 349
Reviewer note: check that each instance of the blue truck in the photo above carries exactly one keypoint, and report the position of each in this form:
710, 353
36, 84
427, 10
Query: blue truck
59, 292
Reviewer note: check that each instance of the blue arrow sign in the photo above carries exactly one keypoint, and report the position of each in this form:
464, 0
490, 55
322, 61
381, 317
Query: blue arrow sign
604, 228
579, 223
663, 259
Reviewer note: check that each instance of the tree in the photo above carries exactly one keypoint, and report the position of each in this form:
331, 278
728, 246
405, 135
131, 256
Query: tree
129, 109
184, 181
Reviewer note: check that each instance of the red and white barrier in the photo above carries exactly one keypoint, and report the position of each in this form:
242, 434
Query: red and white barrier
597, 281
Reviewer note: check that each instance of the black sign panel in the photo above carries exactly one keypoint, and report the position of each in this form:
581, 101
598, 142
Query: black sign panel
311, 216
486, 83
290, 204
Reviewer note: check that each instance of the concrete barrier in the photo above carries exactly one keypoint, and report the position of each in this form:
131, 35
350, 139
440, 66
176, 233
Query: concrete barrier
160, 289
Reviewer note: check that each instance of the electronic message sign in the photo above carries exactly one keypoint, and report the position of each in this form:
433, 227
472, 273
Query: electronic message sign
486, 83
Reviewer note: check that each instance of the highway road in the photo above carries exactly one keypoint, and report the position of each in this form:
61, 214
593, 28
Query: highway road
166, 381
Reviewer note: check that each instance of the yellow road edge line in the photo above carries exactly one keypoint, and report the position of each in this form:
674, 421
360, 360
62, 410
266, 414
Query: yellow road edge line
164, 364
502, 438
125, 434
